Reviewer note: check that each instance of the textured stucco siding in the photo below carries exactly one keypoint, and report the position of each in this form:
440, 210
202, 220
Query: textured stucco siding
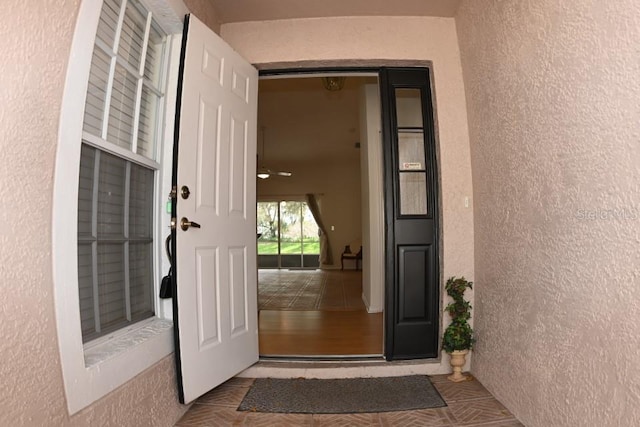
553, 99
203, 10
35, 42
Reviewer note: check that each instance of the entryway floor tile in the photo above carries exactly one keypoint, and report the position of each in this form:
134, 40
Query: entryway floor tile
469, 405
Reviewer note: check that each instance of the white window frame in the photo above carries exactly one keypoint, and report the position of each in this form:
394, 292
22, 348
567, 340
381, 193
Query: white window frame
92, 370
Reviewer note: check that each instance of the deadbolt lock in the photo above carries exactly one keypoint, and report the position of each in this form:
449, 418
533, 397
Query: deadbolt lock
184, 192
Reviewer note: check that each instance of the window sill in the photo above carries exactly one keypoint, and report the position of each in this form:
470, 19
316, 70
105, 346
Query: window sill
117, 344
92, 371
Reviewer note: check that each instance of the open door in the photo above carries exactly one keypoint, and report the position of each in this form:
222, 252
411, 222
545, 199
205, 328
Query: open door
215, 291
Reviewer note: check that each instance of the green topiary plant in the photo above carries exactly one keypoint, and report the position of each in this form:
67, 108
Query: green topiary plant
458, 335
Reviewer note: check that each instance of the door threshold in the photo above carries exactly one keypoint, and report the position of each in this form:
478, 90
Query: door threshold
320, 357
333, 369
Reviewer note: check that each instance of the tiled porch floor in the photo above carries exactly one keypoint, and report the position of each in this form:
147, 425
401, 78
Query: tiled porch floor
468, 404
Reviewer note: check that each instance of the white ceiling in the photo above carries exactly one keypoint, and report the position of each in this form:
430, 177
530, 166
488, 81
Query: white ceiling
265, 10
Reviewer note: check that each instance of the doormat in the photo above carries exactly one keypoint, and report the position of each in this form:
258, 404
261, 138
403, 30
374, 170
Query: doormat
341, 396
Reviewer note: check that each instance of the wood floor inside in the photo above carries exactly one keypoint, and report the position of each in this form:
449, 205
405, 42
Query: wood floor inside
316, 313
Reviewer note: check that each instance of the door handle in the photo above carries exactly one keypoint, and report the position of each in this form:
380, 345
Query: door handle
185, 224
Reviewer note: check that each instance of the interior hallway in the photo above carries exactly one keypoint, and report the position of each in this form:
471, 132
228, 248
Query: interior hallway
316, 313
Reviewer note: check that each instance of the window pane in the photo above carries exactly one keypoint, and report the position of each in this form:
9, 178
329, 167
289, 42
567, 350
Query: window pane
132, 34
155, 53
111, 241
140, 202
109, 21
413, 193
96, 92
147, 125
291, 234
85, 281
311, 239
409, 108
290, 228
85, 191
268, 228
111, 289
122, 111
411, 151
141, 280
111, 192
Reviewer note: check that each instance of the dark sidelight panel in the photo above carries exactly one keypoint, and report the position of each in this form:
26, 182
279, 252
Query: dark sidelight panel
413, 287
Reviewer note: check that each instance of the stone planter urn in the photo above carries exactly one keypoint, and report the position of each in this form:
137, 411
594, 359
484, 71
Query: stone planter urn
458, 337
458, 359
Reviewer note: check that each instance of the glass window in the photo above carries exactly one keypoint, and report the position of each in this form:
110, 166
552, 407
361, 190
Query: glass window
117, 170
411, 151
412, 176
287, 235
409, 108
413, 193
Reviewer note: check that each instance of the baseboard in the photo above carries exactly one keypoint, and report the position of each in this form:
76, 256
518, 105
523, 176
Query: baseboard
368, 306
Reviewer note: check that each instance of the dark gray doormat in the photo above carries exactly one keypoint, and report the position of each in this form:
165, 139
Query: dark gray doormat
341, 396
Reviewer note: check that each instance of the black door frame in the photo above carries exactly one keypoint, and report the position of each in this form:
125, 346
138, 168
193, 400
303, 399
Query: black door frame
302, 68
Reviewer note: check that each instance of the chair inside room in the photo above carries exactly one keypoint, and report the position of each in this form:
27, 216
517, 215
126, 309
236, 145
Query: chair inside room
353, 251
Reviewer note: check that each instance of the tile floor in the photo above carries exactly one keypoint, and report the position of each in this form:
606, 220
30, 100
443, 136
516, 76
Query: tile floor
468, 404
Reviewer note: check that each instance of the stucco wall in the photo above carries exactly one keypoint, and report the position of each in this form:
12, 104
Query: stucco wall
395, 38
204, 11
554, 117
35, 41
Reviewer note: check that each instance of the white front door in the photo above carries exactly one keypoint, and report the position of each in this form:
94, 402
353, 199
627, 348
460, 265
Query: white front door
215, 266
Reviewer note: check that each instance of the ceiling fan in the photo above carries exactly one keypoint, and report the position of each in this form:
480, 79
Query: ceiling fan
263, 171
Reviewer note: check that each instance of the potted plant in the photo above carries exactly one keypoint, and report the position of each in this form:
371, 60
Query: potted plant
458, 337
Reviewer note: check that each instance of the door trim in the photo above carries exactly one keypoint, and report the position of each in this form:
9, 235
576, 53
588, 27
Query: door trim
337, 66
342, 66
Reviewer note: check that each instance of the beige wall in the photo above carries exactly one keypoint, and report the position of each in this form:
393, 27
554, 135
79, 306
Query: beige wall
554, 116
35, 45
395, 38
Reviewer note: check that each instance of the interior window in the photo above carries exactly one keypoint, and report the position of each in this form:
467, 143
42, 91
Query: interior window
287, 235
118, 168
